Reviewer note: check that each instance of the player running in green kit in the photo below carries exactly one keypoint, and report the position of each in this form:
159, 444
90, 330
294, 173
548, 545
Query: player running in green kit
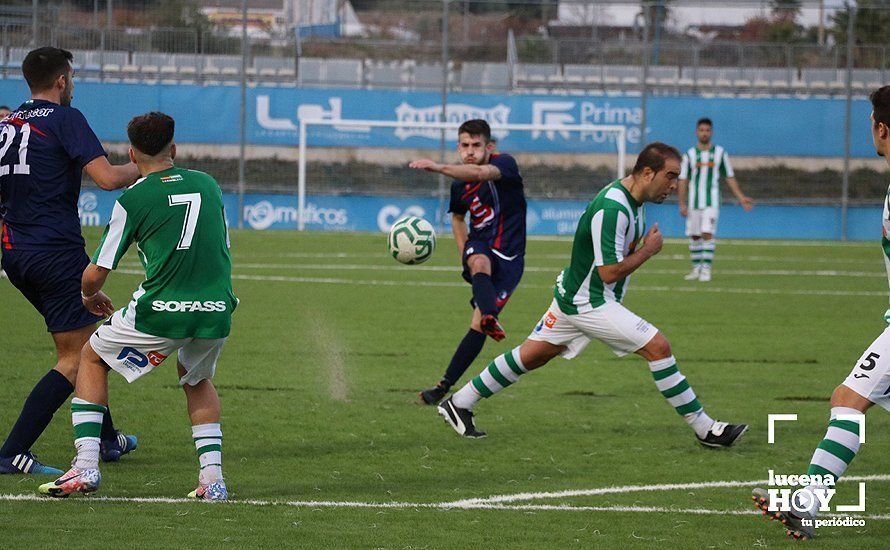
176, 219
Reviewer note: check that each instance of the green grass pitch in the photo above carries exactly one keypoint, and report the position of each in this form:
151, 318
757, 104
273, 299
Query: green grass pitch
333, 339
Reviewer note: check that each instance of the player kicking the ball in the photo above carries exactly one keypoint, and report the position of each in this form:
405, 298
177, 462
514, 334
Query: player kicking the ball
868, 383
489, 187
608, 247
176, 219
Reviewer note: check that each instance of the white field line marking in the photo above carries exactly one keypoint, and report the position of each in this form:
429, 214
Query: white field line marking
555, 271
490, 503
734, 242
415, 505
635, 489
455, 284
565, 257
389, 505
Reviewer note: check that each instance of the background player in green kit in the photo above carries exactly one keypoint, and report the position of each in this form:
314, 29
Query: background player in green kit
700, 172
608, 247
176, 219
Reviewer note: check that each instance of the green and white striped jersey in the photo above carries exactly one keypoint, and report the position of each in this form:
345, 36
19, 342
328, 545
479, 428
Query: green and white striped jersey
177, 220
885, 242
704, 169
609, 230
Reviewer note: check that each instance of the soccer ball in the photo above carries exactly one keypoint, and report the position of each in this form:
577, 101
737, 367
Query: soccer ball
411, 240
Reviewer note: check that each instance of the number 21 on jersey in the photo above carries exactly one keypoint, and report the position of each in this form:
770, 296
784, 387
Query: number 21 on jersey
7, 135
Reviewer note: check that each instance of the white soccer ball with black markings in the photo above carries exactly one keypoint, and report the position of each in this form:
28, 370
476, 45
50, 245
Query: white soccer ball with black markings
411, 240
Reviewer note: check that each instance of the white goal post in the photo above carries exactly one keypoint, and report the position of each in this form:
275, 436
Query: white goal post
620, 133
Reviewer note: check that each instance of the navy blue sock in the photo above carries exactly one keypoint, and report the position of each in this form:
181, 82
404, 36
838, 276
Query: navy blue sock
484, 294
108, 431
45, 399
464, 356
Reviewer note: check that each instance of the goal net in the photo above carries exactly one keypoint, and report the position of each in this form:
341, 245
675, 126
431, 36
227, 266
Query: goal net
369, 158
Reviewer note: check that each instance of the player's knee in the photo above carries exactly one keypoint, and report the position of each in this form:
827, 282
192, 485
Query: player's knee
67, 366
844, 396
658, 347
534, 353
479, 263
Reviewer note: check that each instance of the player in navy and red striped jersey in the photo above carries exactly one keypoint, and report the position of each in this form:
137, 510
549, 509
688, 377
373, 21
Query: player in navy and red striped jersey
489, 188
45, 144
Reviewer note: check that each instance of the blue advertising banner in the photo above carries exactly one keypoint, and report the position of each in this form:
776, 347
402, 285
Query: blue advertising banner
372, 214
209, 114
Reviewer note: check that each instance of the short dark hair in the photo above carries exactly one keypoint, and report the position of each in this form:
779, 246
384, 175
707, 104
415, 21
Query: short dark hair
880, 103
476, 127
704, 120
654, 156
151, 133
5, 107
43, 66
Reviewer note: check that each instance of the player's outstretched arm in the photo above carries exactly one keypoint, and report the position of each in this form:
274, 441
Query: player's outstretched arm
462, 172
743, 199
681, 196
96, 301
652, 244
110, 176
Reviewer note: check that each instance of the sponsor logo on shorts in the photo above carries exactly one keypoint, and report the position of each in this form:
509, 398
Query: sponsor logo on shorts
156, 358
549, 320
132, 358
188, 306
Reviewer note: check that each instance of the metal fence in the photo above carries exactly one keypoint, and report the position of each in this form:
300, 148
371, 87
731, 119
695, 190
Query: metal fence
484, 46
530, 49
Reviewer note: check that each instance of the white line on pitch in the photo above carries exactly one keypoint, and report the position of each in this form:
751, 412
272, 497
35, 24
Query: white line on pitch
565, 257
636, 488
387, 505
452, 269
455, 284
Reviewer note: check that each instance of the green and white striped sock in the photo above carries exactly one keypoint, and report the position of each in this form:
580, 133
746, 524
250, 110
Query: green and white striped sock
208, 443
87, 420
839, 447
504, 371
834, 453
695, 251
707, 251
674, 387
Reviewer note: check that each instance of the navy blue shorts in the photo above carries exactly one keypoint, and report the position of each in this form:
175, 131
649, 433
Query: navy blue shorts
505, 274
50, 280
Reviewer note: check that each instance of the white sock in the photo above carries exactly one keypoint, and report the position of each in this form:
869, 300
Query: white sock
87, 420
87, 453
208, 443
466, 397
700, 422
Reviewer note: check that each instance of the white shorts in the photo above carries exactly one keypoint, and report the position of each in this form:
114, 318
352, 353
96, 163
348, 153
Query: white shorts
870, 378
133, 353
702, 220
611, 323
